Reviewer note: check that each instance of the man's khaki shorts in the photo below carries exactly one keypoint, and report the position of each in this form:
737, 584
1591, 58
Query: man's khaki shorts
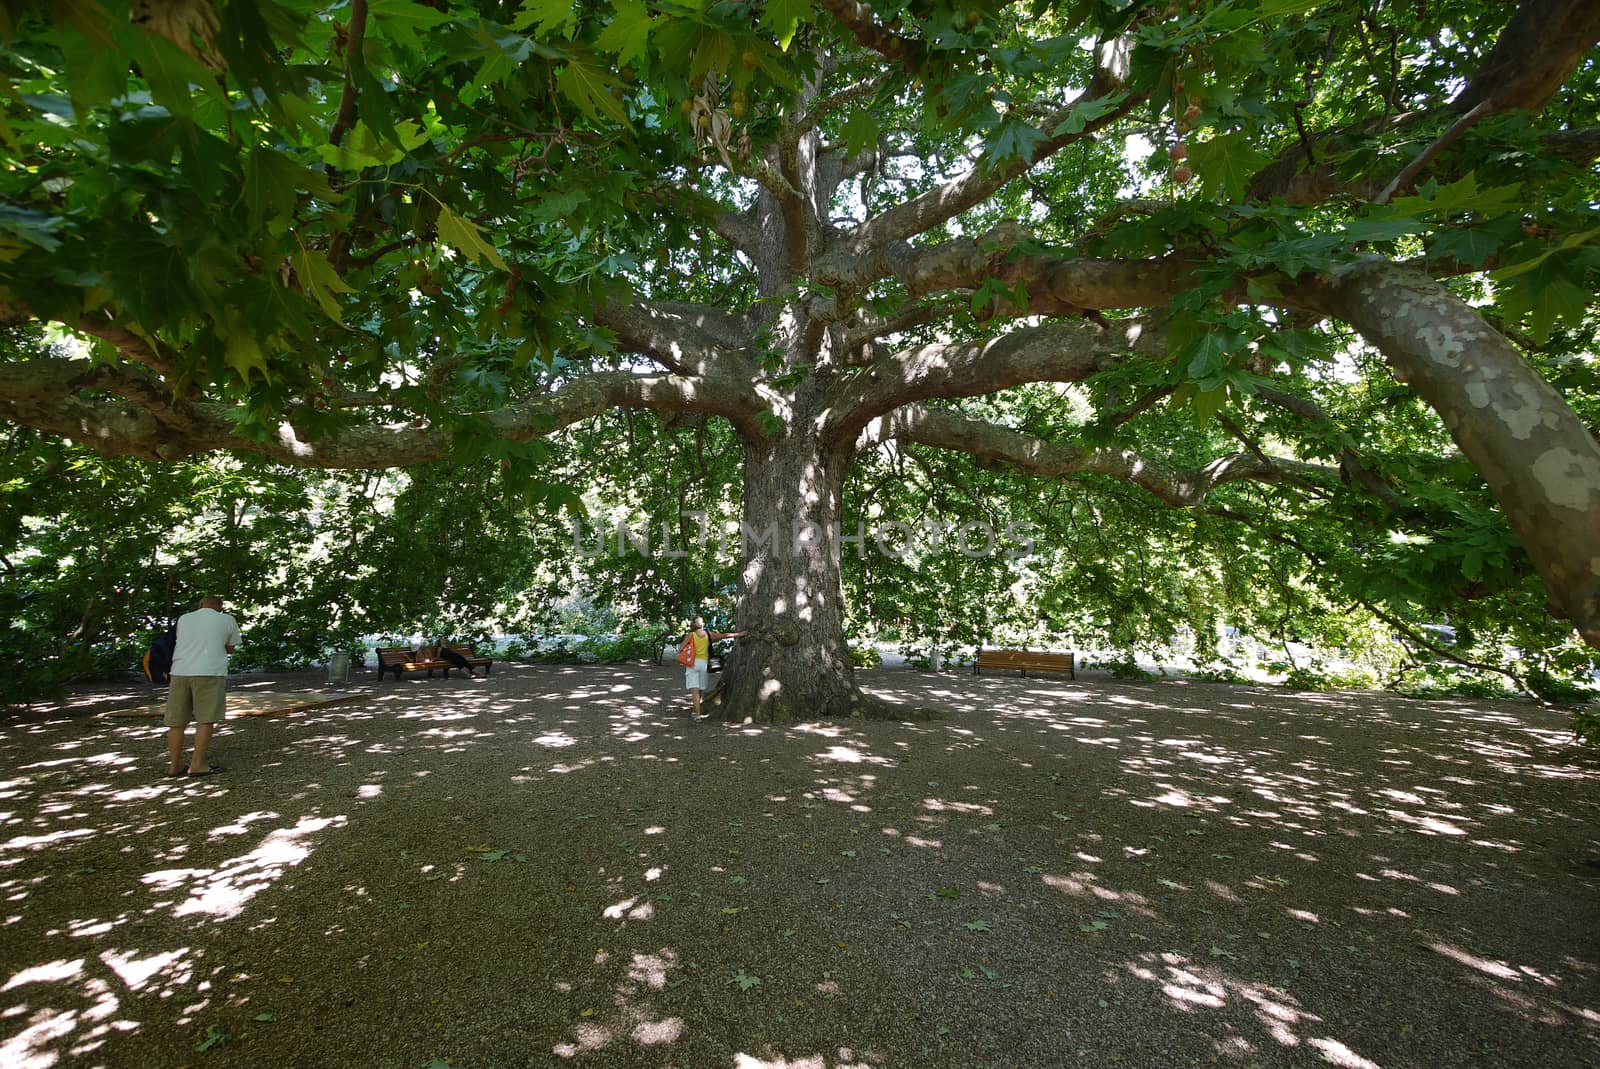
202, 699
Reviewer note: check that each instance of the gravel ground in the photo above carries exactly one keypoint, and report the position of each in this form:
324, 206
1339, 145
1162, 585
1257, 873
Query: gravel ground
552, 866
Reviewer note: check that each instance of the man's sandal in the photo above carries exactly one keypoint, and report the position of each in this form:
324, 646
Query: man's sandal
210, 771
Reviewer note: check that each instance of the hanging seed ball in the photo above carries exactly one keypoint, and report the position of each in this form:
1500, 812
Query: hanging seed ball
1181, 175
1180, 151
1192, 112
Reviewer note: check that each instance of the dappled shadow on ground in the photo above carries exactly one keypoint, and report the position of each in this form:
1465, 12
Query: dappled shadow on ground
553, 866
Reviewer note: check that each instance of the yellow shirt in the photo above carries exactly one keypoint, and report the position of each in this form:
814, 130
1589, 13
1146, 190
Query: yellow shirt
702, 646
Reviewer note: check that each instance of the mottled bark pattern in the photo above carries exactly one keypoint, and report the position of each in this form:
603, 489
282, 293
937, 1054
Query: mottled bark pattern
793, 663
1538, 457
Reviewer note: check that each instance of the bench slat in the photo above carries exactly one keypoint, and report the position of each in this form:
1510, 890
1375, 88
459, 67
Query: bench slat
1023, 660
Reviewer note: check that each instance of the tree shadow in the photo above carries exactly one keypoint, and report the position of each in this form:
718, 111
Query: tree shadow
554, 866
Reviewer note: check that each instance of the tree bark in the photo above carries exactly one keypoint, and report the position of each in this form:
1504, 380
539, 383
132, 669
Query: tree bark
1540, 460
793, 663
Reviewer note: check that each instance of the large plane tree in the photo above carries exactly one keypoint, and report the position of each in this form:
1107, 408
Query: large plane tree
380, 232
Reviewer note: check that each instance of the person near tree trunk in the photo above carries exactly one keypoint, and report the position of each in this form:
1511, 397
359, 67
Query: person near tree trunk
697, 676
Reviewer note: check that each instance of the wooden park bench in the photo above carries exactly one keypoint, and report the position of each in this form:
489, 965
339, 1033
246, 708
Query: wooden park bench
469, 655
402, 659
1025, 661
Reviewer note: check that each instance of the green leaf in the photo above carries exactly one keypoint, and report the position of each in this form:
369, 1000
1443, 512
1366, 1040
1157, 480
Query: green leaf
714, 53
243, 354
860, 132
95, 75
551, 17
1471, 245
1084, 113
215, 1037
1207, 403
1572, 241
590, 89
1379, 229
1013, 140
265, 1017
320, 280
1462, 195
978, 926
364, 147
401, 20
35, 227
1543, 295
1281, 9
1558, 298
272, 182
467, 239
1225, 164
173, 74
628, 33
783, 17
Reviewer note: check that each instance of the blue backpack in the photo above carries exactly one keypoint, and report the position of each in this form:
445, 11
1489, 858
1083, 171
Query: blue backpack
157, 661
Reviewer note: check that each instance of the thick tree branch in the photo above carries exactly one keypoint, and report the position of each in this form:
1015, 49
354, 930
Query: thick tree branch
131, 345
1540, 460
1404, 179
58, 396
943, 429
1054, 286
685, 338
1053, 352
1536, 52
857, 19
866, 329
825, 106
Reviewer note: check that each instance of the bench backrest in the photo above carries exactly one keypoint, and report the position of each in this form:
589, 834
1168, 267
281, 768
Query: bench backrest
393, 654
1028, 658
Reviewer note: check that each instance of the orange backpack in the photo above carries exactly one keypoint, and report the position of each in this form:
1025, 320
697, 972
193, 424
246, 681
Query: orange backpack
686, 651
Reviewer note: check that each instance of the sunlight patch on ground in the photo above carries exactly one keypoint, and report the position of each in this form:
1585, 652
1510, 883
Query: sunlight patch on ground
1338, 1054
847, 1059
223, 892
50, 973
849, 755
655, 1033
555, 740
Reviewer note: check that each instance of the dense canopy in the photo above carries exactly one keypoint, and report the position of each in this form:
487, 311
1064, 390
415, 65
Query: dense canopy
1296, 295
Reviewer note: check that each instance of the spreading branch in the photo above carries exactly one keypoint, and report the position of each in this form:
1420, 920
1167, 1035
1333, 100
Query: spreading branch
69, 397
684, 338
1052, 352
939, 205
857, 18
355, 40
1178, 488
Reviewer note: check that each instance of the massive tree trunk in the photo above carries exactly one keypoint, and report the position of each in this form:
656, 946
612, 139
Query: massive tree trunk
794, 662
1540, 460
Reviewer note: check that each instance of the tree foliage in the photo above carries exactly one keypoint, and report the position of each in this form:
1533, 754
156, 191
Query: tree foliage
1299, 292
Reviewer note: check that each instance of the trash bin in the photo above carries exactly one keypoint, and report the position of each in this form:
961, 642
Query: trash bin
338, 667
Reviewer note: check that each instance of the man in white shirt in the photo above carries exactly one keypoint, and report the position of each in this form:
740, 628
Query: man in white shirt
199, 678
